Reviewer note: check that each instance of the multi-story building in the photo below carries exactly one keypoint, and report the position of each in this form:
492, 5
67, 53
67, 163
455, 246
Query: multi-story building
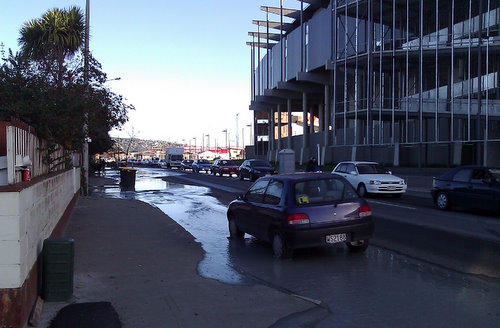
404, 82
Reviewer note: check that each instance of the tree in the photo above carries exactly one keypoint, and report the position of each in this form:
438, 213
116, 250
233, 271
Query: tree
56, 110
57, 35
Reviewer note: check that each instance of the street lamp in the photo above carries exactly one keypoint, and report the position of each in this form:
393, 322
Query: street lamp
251, 139
194, 147
225, 131
85, 146
237, 136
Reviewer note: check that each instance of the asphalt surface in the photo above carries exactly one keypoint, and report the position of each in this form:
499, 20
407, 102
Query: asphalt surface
465, 242
144, 264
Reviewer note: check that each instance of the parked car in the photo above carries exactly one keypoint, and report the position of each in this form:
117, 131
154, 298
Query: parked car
201, 165
302, 210
255, 168
468, 186
155, 162
371, 178
187, 164
224, 166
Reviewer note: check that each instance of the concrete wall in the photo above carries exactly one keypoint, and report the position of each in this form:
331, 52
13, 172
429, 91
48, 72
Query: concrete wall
29, 214
428, 155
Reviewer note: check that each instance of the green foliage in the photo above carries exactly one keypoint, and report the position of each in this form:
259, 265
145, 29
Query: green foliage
48, 93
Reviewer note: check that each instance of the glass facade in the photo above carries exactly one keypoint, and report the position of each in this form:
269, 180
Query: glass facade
403, 71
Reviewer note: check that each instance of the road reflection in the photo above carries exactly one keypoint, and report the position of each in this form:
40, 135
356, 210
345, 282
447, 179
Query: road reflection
200, 214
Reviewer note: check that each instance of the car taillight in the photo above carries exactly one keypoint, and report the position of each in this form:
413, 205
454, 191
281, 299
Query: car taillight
297, 218
365, 211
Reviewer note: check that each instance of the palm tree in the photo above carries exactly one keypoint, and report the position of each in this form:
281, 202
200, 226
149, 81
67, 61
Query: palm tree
57, 35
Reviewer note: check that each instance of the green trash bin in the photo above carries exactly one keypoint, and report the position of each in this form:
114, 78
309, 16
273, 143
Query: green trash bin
57, 274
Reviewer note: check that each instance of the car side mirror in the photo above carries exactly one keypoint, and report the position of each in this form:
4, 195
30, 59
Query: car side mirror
241, 197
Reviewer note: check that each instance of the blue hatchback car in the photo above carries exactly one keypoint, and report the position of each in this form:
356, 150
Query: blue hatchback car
201, 165
302, 210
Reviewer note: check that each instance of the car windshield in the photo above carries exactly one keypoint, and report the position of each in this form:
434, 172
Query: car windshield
227, 163
260, 163
371, 169
322, 191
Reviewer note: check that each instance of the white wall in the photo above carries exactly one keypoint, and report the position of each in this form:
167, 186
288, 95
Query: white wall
27, 218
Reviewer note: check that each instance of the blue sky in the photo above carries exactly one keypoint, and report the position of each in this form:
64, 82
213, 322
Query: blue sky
184, 65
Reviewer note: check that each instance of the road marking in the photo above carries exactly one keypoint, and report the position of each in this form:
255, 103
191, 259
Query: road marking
394, 205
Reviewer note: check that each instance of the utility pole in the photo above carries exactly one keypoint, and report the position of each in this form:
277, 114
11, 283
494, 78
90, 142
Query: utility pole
237, 133
85, 147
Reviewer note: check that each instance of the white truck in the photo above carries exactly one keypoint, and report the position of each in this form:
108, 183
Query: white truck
174, 157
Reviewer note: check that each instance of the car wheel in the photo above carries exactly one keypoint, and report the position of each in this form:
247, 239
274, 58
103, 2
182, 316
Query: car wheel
213, 172
280, 249
252, 177
234, 231
240, 176
362, 190
357, 246
442, 201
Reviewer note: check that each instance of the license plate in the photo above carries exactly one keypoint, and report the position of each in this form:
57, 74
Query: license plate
338, 238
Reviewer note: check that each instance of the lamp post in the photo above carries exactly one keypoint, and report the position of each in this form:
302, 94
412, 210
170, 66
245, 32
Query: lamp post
251, 138
194, 147
237, 134
225, 131
85, 146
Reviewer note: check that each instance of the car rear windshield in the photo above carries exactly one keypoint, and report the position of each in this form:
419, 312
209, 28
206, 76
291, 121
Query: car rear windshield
319, 191
371, 169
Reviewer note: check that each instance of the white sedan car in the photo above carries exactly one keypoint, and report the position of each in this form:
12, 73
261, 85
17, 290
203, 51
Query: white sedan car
371, 177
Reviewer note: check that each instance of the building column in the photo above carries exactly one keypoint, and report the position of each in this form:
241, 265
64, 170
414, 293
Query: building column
312, 111
326, 117
271, 129
289, 111
321, 117
305, 135
279, 127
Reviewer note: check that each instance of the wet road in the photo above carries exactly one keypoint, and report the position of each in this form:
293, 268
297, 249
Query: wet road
379, 288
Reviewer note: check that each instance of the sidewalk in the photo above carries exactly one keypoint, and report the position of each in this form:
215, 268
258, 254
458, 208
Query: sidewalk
134, 256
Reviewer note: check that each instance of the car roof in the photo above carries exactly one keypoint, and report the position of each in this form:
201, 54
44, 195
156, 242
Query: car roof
257, 160
448, 174
302, 176
358, 162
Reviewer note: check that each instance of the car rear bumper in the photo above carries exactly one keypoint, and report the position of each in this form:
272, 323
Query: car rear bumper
317, 236
229, 171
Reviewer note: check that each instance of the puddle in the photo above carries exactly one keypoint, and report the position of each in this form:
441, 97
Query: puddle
200, 214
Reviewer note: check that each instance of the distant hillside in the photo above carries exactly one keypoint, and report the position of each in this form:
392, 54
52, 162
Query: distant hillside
139, 145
